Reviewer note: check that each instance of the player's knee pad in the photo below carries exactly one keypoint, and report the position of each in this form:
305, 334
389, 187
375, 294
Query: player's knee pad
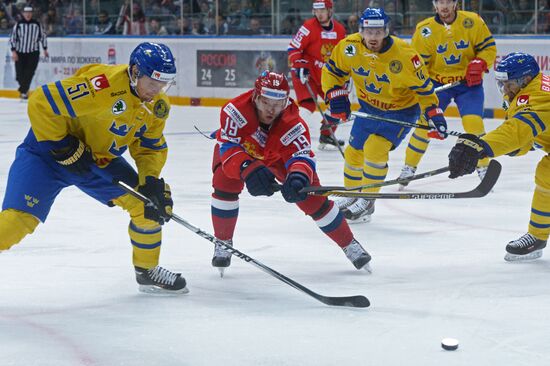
376, 149
473, 124
14, 226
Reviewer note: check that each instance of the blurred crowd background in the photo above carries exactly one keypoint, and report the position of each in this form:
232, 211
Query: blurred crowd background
252, 17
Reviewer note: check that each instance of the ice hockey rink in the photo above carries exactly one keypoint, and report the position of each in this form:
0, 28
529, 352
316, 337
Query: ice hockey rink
69, 297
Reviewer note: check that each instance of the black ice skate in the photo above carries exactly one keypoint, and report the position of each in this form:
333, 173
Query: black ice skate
326, 142
159, 280
358, 256
360, 211
222, 258
526, 248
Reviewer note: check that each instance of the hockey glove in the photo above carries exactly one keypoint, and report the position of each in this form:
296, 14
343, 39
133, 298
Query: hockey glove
436, 119
258, 178
160, 195
294, 182
464, 156
77, 157
475, 70
339, 105
301, 68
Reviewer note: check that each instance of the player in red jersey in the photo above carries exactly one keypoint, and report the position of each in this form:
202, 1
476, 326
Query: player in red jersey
308, 51
263, 139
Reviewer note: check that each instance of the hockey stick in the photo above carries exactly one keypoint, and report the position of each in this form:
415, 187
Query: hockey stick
203, 133
326, 123
358, 301
449, 85
401, 123
319, 190
484, 187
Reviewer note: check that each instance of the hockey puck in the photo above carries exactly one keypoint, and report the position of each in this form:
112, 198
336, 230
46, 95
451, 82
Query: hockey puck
449, 344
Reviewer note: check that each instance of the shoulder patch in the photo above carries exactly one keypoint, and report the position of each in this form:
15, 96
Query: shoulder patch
396, 66
99, 82
350, 50
417, 63
235, 115
522, 100
292, 134
468, 23
161, 109
425, 32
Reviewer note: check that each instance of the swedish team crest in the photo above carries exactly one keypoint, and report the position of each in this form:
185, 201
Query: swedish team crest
160, 109
119, 107
350, 50
468, 23
396, 66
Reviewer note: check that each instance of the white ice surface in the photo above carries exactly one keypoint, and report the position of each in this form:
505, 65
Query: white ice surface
68, 294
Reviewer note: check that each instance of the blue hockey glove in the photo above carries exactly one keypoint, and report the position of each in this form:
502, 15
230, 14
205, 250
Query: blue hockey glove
294, 182
339, 105
434, 116
464, 156
77, 157
159, 193
258, 178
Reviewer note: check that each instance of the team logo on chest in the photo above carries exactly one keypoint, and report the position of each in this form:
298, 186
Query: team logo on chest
426, 32
160, 109
350, 50
119, 107
468, 23
396, 66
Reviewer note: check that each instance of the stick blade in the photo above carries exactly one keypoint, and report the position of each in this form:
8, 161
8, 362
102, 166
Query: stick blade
358, 301
490, 178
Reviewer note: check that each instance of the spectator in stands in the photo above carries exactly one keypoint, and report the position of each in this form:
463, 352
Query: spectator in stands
291, 22
352, 24
156, 28
221, 27
52, 23
544, 17
5, 26
255, 27
523, 17
103, 24
136, 26
183, 26
396, 24
75, 22
197, 28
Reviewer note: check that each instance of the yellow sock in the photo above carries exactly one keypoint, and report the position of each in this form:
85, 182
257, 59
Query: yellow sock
539, 224
353, 167
145, 235
14, 226
474, 124
418, 144
375, 165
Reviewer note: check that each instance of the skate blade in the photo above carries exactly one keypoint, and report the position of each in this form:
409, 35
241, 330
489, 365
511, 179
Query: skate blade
360, 220
155, 290
367, 268
221, 270
509, 257
327, 147
401, 187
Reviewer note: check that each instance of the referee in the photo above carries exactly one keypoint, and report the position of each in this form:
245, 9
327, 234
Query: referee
25, 37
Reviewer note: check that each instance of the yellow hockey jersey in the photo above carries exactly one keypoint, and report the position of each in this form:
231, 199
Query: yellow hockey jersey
392, 79
97, 106
447, 49
526, 121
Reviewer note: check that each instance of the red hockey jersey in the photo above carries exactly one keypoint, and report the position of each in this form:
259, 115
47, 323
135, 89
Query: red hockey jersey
241, 137
314, 44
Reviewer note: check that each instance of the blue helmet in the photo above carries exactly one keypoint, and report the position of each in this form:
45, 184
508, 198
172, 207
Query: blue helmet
374, 18
154, 60
515, 66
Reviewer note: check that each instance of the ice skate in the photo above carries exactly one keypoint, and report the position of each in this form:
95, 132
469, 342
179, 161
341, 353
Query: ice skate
159, 280
406, 173
358, 256
526, 248
344, 202
222, 258
326, 142
360, 211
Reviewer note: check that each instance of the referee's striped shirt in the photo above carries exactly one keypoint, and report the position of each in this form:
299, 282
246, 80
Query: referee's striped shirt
26, 37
